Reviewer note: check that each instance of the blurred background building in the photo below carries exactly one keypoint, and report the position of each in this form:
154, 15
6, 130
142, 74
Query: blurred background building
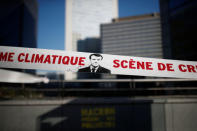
179, 29
133, 36
83, 19
18, 24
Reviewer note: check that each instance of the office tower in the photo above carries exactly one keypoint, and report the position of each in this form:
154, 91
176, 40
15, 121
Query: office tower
18, 23
178, 18
133, 36
83, 19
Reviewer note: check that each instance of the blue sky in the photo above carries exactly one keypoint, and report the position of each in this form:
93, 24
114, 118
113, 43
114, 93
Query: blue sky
52, 15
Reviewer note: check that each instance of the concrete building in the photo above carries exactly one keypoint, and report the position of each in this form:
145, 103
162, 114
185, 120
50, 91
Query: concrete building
133, 36
178, 18
83, 19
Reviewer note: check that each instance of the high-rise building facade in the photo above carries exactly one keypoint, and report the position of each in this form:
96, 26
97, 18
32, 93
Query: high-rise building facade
179, 25
83, 19
133, 36
18, 23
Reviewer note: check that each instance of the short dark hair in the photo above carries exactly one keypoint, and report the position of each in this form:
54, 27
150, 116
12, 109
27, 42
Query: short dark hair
98, 55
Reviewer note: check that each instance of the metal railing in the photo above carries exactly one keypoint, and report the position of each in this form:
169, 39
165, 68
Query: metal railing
86, 87
131, 82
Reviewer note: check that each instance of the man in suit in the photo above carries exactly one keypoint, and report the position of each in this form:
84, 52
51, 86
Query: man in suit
95, 67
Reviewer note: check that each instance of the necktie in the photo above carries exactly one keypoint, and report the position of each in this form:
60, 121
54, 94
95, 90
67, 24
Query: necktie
93, 70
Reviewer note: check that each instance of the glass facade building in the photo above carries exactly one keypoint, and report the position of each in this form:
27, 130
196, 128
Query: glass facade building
178, 18
18, 23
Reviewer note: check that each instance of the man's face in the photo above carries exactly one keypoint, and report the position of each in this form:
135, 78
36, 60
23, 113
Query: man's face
95, 60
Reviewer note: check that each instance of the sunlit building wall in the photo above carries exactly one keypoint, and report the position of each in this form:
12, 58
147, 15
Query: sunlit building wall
83, 19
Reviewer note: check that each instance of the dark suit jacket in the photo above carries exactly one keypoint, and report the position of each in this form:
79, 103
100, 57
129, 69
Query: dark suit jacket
100, 70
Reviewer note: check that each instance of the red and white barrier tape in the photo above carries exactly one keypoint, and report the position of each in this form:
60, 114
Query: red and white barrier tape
32, 58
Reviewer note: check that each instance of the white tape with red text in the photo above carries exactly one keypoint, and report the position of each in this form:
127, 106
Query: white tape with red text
33, 58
